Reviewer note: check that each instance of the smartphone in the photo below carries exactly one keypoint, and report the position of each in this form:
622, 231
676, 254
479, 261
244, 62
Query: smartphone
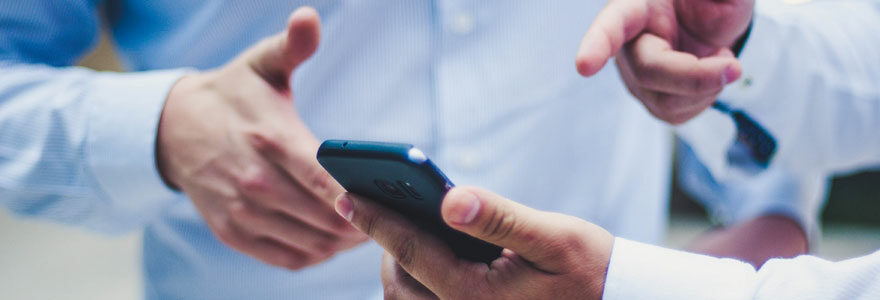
401, 177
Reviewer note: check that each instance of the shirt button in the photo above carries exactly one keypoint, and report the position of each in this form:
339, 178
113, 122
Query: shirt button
462, 23
747, 82
468, 161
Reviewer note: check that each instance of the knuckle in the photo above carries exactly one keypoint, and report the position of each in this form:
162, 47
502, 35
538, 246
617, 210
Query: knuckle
227, 235
569, 245
404, 251
321, 182
291, 262
328, 245
500, 225
255, 180
572, 241
265, 141
239, 212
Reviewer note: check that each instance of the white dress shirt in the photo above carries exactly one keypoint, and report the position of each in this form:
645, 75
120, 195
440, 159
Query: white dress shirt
812, 79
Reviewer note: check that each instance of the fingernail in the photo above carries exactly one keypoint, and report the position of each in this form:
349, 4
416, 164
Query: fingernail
727, 76
465, 211
343, 207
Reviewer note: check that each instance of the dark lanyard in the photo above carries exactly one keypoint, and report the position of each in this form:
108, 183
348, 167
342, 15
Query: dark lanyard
751, 137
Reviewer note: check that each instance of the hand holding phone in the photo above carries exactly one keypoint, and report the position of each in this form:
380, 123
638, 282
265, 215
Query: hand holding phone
402, 178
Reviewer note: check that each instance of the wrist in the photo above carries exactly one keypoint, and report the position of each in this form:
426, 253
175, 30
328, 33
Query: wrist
179, 92
599, 260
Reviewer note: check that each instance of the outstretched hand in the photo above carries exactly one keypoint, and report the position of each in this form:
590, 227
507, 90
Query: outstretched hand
232, 140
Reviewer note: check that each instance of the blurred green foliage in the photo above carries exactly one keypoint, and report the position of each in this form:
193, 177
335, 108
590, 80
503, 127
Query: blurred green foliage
854, 199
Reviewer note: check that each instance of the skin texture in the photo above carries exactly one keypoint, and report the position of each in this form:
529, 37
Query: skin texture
673, 55
232, 140
546, 256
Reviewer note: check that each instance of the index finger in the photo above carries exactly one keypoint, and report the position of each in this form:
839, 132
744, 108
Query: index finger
399, 284
617, 23
299, 162
422, 255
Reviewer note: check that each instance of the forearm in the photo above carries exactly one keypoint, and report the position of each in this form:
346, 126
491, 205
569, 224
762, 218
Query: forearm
773, 213
754, 241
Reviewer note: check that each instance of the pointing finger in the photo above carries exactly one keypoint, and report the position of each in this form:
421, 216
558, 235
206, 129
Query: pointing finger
617, 23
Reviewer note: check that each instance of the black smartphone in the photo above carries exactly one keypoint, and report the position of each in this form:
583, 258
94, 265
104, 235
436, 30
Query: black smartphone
402, 178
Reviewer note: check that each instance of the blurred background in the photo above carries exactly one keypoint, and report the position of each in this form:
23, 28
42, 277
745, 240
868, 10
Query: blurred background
46, 261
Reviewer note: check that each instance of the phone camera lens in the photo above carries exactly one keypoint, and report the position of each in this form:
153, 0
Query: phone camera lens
389, 189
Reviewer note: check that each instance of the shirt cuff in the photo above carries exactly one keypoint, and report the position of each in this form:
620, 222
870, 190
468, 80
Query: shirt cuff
642, 271
124, 114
